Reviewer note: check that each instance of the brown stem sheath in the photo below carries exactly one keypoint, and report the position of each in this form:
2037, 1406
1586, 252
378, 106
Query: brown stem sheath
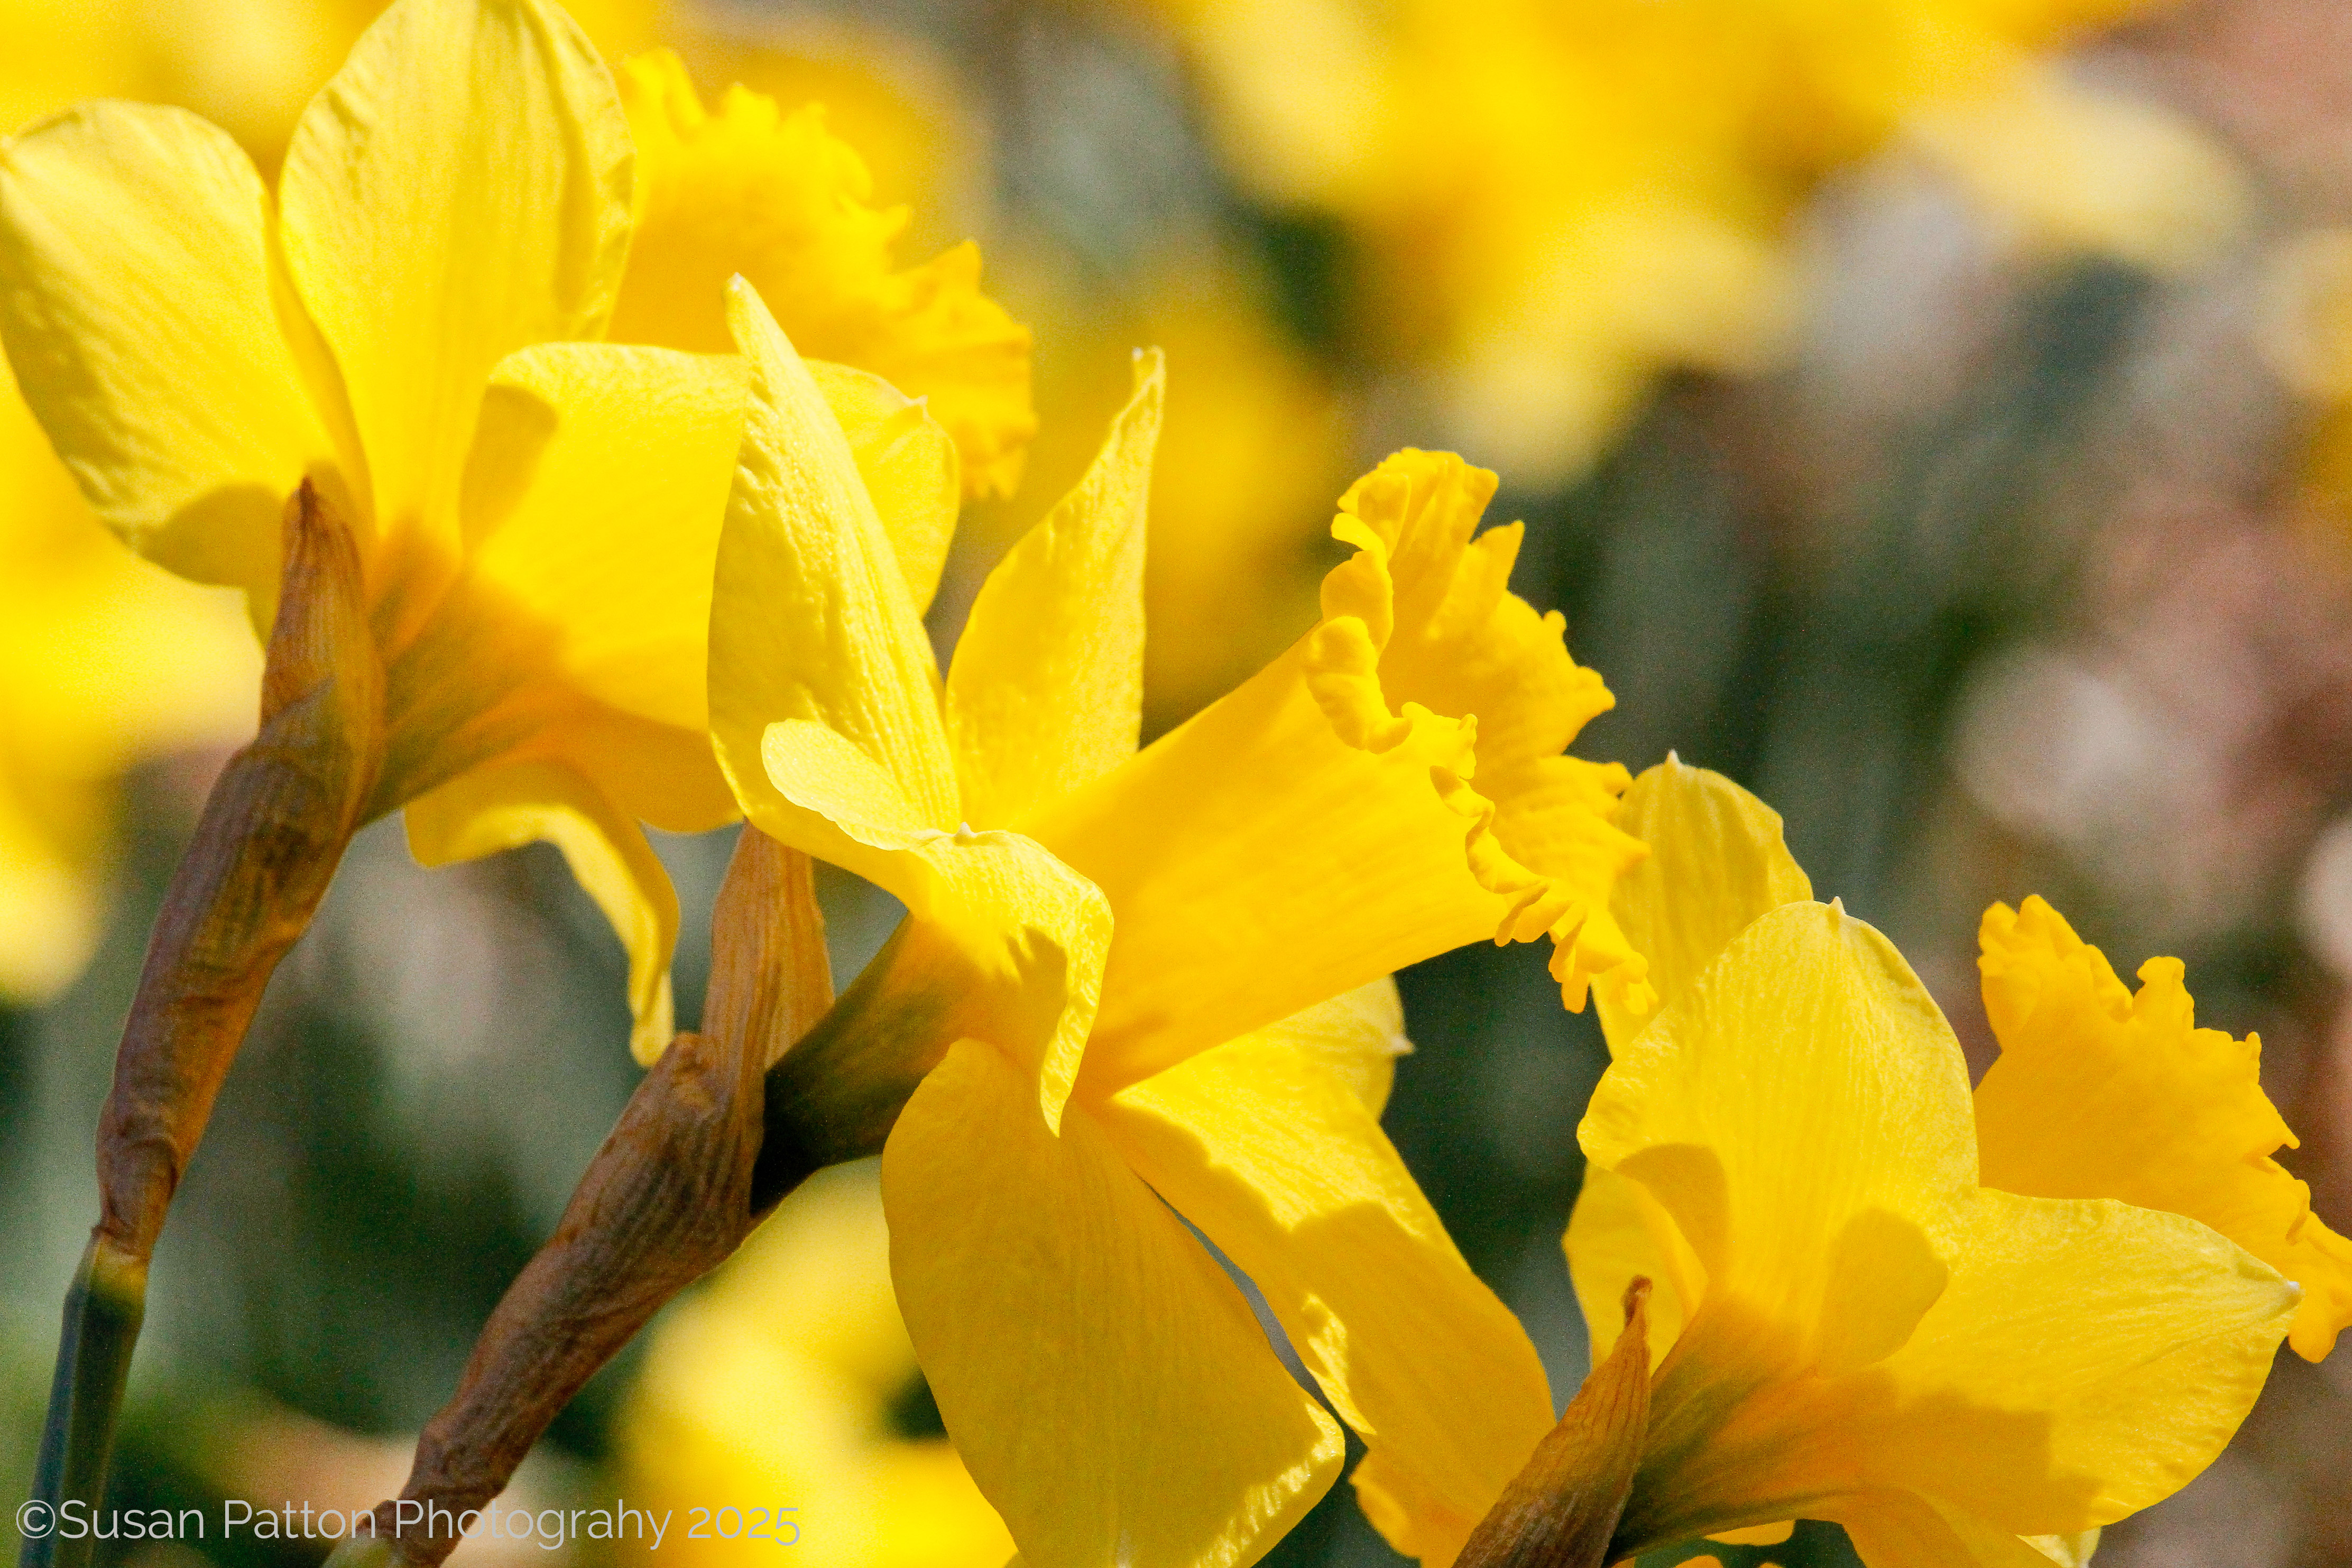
272, 832
1561, 1509
669, 1197
273, 829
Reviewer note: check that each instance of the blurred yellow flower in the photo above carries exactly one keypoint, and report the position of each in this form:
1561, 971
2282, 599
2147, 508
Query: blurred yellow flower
780, 1383
1390, 788
1560, 201
779, 200
411, 326
1847, 1324
105, 659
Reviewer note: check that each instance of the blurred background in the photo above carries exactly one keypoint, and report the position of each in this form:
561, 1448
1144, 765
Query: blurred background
1934, 414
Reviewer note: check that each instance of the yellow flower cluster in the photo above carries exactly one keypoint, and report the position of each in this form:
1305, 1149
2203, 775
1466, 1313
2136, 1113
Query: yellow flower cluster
1559, 200
530, 352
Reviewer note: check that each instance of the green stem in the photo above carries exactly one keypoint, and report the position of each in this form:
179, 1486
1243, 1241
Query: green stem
101, 1326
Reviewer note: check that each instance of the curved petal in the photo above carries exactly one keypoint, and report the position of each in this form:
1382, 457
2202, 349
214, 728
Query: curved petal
777, 1378
2088, 1359
812, 626
1299, 815
508, 805
459, 190
135, 300
655, 772
1107, 1385
1047, 690
593, 496
777, 199
1803, 1113
1716, 861
2101, 1093
909, 467
1356, 1036
1285, 1170
1619, 1231
824, 714
1901, 1529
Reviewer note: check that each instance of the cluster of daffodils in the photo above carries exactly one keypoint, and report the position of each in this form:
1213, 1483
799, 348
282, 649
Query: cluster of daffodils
1557, 202
586, 461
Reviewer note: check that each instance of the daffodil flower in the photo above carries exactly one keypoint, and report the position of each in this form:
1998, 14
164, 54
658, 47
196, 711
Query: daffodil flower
503, 529
1113, 993
1850, 1321
409, 325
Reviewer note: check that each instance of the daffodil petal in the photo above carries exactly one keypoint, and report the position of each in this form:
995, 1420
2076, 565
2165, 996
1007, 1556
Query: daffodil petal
594, 497
2102, 1092
1758, 1535
1287, 1173
459, 190
1325, 811
656, 772
2136, 1340
1107, 1386
781, 201
812, 626
1716, 861
908, 464
1254, 830
1617, 1232
1803, 1113
508, 805
1046, 691
1038, 934
1901, 1529
1356, 1036
136, 303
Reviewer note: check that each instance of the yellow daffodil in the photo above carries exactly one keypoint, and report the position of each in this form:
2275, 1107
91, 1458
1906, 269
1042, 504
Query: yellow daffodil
410, 325
776, 1386
2101, 1091
1557, 202
1390, 788
1849, 1322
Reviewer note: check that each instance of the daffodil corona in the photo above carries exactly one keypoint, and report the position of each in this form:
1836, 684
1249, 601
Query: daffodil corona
1132, 980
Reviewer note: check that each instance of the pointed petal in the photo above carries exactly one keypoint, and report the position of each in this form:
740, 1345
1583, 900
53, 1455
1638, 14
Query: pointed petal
778, 199
1803, 1113
2101, 1093
1285, 1170
812, 628
135, 299
1046, 691
459, 191
1619, 1233
908, 464
1107, 1385
2088, 1359
1716, 861
1302, 815
508, 805
594, 490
